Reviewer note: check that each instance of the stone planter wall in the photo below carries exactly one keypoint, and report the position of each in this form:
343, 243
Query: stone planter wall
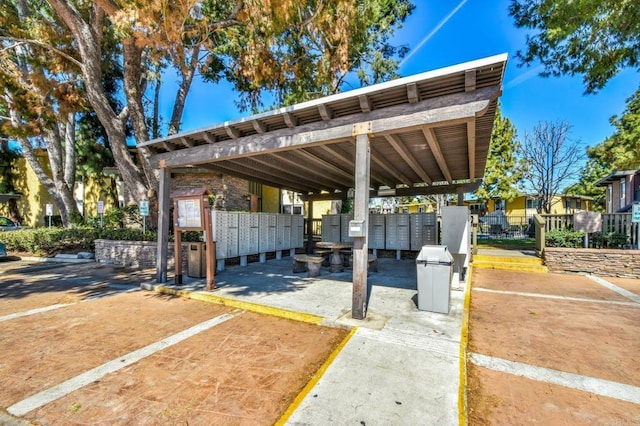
604, 262
136, 254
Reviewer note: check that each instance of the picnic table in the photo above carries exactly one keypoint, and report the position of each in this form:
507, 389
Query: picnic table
336, 261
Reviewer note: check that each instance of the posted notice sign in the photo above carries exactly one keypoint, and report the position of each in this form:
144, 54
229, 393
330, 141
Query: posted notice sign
635, 213
144, 208
100, 207
49, 209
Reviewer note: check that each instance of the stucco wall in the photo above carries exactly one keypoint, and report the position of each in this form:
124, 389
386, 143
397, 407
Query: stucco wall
605, 262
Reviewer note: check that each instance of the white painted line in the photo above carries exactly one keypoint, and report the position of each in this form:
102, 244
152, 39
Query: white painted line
34, 311
601, 387
551, 296
621, 291
38, 400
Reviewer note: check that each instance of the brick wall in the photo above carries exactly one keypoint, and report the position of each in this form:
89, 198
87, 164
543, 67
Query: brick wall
136, 254
605, 262
234, 190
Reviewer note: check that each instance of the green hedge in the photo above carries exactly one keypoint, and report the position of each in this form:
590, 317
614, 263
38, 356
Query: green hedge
564, 238
50, 241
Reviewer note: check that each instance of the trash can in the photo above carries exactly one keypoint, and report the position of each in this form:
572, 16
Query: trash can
434, 272
196, 260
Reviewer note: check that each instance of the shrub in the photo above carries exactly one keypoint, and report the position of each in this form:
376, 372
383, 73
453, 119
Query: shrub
564, 238
51, 241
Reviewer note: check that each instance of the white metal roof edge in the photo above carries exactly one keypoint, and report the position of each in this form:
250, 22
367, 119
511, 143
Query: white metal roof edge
367, 90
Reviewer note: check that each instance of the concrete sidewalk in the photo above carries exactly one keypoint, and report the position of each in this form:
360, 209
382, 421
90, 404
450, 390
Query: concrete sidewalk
401, 366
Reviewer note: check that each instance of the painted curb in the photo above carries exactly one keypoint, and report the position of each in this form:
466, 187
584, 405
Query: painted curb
247, 306
315, 379
464, 341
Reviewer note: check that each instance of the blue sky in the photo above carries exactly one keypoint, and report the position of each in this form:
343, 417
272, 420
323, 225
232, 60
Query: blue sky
447, 32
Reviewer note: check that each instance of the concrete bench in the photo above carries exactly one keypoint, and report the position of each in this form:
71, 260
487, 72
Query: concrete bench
325, 255
372, 263
311, 264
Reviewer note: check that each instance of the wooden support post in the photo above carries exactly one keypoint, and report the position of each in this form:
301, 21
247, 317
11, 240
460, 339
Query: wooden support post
361, 212
163, 226
178, 255
460, 192
210, 246
309, 226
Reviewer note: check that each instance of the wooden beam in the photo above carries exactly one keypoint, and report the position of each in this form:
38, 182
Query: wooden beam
242, 173
386, 165
470, 80
445, 110
162, 250
187, 142
258, 172
209, 138
259, 126
347, 161
412, 93
329, 169
408, 157
471, 148
361, 213
325, 112
365, 103
298, 164
328, 196
168, 146
289, 120
270, 167
232, 132
432, 140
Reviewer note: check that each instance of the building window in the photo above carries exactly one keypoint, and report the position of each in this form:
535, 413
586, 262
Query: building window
500, 204
623, 193
609, 198
532, 203
579, 204
568, 202
421, 209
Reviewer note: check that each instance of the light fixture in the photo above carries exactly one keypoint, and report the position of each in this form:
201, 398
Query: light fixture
388, 192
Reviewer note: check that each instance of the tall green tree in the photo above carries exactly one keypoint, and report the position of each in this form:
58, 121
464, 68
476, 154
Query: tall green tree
592, 38
504, 170
620, 151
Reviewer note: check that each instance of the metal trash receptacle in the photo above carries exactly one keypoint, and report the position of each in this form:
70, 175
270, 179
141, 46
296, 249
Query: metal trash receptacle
434, 272
196, 260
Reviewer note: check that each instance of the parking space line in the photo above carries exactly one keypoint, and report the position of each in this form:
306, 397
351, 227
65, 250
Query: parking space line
118, 290
38, 400
551, 296
593, 385
34, 311
621, 291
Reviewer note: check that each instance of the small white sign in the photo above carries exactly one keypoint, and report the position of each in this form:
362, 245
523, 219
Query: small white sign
100, 207
144, 208
49, 209
635, 213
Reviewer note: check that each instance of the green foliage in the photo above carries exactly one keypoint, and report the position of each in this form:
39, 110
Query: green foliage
621, 151
590, 174
50, 241
564, 238
593, 38
347, 206
117, 218
504, 170
7, 157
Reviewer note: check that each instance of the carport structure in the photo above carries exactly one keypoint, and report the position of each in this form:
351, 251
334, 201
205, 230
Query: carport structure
423, 134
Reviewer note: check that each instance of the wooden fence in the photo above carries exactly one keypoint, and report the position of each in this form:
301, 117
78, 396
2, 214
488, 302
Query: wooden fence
612, 223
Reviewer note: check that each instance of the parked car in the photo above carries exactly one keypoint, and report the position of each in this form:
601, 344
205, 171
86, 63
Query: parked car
7, 224
3, 250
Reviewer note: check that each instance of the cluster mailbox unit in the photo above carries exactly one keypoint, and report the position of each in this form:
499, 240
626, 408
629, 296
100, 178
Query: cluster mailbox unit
242, 234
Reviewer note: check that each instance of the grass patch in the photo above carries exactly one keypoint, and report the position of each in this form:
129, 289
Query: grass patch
508, 243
